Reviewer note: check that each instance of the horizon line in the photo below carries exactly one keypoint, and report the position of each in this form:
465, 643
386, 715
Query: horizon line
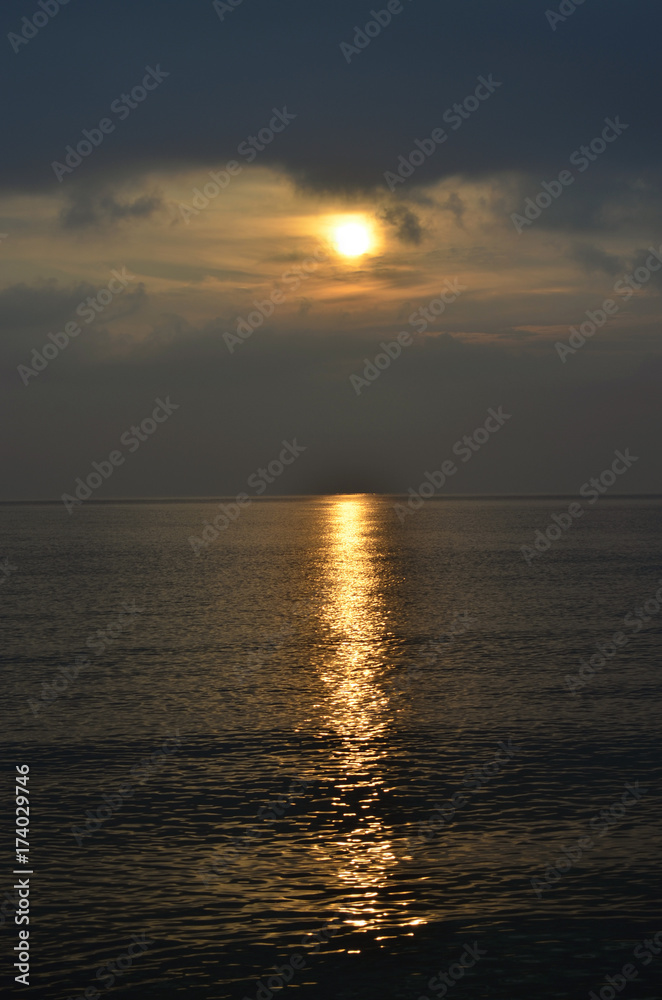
309, 496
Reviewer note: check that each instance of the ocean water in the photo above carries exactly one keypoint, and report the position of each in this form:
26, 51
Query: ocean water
336, 745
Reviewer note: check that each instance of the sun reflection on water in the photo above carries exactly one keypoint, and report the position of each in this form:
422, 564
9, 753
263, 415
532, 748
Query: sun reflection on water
356, 619
355, 616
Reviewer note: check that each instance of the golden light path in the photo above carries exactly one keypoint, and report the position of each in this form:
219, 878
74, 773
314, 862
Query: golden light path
356, 707
355, 613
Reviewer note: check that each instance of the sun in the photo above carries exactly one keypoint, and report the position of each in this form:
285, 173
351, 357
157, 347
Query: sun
352, 239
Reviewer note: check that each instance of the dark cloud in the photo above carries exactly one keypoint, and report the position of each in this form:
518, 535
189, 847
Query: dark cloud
407, 225
99, 209
595, 259
641, 258
598, 202
353, 120
455, 206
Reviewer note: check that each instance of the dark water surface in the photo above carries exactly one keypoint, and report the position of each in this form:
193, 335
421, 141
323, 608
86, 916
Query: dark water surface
324, 678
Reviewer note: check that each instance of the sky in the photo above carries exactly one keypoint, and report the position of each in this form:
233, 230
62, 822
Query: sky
501, 161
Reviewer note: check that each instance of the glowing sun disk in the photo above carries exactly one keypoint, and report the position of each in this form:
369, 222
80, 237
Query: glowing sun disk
352, 239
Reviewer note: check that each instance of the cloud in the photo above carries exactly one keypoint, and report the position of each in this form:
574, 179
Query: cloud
407, 225
594, 259
353, 121
455, 206
99, 209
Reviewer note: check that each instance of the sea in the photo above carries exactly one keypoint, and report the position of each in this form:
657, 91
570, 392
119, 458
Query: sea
344, 750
